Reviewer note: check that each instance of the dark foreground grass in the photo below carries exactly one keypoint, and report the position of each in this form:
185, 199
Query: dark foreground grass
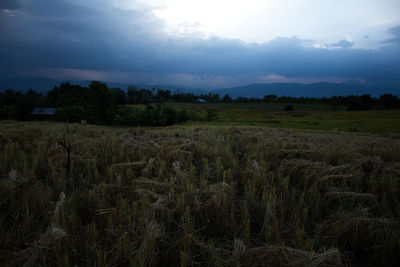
191, 196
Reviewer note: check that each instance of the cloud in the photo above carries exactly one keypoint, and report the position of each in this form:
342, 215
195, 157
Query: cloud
82, 74
345, 44
395, 32
273, 78
78, 39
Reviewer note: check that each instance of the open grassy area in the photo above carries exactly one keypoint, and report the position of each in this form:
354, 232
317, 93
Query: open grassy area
197, 196
255, 106
305, 116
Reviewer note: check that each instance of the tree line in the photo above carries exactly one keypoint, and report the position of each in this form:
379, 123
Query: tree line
97, 103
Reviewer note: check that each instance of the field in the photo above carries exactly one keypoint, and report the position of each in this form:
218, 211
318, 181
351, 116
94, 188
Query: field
305, 116
197, 196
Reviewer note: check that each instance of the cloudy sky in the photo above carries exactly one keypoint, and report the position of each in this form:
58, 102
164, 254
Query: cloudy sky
202, 43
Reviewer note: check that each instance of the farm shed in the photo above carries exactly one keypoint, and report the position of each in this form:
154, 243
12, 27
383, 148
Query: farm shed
201, 100
42, 113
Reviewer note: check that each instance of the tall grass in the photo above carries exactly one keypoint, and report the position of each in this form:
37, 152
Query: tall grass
215, 196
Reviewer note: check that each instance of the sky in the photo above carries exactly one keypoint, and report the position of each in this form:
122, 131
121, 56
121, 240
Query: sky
202, 43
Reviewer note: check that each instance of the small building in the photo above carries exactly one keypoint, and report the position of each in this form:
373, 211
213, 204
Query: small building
42, 113
201, 100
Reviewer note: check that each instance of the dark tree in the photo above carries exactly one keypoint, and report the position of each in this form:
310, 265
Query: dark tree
163, 94
25, 105
139, 96
390, 101
120, 96
270, 98
102, 101
227, 99
68, 95
366, 102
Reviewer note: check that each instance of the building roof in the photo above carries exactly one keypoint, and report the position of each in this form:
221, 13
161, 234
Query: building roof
43, 111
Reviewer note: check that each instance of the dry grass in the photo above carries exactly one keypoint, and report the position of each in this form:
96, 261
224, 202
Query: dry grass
214, 196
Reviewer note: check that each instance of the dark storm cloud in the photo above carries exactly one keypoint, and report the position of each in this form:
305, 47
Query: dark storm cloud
73, 34
86, 35
10, 4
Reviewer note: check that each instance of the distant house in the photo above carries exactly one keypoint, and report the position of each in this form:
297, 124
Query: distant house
201, 100
42, 113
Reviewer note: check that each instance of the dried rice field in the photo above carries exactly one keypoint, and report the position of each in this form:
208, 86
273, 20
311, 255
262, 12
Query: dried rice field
197, 196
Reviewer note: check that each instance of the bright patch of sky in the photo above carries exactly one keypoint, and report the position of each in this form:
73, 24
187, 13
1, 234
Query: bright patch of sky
362, 22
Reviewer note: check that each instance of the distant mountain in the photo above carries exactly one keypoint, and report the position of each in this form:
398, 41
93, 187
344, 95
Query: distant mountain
45, 84
174, 88
253, 90
305, 90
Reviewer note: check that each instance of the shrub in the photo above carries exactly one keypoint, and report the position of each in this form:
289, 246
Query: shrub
211, 115
127, 116
151, 116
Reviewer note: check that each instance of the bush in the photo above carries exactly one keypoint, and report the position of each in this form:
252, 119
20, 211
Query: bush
127, 116
211, 115
150, 116
182, 116
166, 115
